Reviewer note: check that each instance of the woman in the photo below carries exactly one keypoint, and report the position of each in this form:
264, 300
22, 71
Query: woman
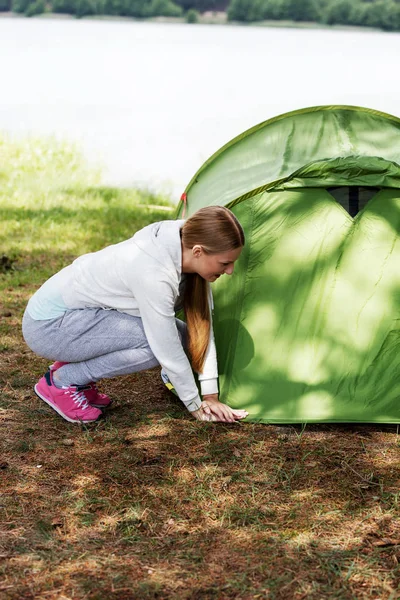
112, 312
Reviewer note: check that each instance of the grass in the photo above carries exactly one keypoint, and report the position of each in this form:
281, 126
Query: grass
148, 503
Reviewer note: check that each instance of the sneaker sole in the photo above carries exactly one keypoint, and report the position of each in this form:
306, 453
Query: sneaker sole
100, 406
54, 407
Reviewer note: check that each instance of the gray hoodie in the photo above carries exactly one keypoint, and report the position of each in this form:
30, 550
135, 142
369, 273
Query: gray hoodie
141, 277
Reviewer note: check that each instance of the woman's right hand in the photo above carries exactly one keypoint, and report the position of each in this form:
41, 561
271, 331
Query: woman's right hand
218, 412
202, 415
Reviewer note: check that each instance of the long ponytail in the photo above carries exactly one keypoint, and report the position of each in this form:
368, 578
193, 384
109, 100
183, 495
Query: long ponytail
197, 312
217, 230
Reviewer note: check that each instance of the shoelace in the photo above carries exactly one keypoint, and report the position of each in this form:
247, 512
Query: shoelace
78, 396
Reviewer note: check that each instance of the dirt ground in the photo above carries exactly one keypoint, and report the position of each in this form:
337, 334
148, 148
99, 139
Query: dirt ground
151, 504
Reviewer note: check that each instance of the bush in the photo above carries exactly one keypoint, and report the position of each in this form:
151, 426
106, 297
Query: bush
36, 8
161, 8
358, 14
385, 15
19, 6
5, 5
275, 9
192, 16
114, 7
374, 14
307, 10
390, 17
203, 5
64, 6
85, 8
258, 10
130, 8
338, 12
240, 10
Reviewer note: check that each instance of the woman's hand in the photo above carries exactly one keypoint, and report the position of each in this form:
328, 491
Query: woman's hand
202, 415
212, 409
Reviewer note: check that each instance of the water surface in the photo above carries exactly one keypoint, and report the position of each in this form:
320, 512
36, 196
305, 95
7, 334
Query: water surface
152, 101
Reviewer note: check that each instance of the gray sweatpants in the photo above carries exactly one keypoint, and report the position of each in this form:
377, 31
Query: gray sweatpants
95, 342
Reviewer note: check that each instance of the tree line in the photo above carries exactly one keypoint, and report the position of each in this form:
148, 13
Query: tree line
141, 9
383, 14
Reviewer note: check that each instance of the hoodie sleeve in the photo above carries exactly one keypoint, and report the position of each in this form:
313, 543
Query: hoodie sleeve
209, 377
155, 299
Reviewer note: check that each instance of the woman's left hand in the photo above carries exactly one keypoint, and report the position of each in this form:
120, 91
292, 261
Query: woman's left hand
221, 412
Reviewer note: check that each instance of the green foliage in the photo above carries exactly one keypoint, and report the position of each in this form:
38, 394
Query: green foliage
383, 14
391, 18
275, 9
36, 8
20, 6
203, 5
192, 16
307, 10
64, 6
114, 7
358, 14
338, 12
84, 8
163, 8
243, 10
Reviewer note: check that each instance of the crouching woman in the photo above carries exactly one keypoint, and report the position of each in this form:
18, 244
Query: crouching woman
112, 313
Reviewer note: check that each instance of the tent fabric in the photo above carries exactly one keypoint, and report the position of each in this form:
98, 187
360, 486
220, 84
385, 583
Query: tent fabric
276, 148
308, 326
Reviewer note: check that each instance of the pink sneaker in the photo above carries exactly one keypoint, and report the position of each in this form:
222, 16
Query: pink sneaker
94, 397
70, 402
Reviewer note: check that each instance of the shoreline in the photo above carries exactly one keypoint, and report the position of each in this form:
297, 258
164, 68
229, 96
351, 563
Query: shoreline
207, 18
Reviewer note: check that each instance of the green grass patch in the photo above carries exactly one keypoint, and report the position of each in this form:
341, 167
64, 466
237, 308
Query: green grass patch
53, 209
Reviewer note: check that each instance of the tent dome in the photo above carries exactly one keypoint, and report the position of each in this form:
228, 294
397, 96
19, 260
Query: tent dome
307, 327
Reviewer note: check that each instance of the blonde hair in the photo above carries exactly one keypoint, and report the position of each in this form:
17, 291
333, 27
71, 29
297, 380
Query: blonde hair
215, 229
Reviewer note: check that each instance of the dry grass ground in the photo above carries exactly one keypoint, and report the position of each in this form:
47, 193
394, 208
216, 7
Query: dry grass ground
150, 504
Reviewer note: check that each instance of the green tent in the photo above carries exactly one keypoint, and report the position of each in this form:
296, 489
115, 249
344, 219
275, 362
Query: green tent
308, 326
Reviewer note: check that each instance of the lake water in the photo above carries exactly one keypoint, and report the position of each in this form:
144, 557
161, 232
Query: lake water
151, 102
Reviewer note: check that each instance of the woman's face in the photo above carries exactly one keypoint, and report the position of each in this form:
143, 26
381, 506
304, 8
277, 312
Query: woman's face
212, 266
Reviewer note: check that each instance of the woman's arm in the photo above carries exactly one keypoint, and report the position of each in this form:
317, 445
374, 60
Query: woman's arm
155, 298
